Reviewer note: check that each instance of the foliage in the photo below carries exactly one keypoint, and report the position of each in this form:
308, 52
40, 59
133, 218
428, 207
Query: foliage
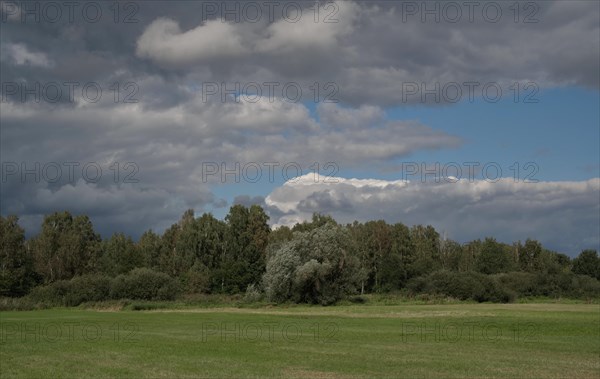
66, 246
73, 292
16, 264
587, 263
318, 261
318, 266
144, 284
462, 285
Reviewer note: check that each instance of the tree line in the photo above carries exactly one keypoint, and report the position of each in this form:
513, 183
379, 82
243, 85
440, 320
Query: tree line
318, 261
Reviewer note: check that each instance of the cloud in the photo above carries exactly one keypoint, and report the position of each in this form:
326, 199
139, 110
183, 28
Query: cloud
374, 48
21, 55
368, 52
164, 42
165, 150
563, 215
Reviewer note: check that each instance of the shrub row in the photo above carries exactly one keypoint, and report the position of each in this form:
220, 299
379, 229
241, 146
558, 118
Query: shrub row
462, 286
564, 284
138, 284
504, 287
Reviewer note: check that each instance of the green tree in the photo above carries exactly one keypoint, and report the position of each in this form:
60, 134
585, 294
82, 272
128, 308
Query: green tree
16, 265
246, 240
65, 247
149, 247
452, 255
120, 255
317, 221
426, 257
494, 258
320, 266
530, 256
587, 263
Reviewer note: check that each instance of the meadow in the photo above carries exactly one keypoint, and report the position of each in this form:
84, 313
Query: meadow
411, 340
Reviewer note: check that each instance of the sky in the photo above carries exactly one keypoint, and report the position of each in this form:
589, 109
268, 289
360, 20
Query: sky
481, 120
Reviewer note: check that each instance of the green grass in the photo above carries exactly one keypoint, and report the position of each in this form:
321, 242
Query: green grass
538, 340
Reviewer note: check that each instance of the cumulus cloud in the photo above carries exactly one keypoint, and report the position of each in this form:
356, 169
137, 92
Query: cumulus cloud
164, 42
563, 215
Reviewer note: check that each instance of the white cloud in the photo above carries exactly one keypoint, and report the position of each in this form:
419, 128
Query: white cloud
164, 42
562, 215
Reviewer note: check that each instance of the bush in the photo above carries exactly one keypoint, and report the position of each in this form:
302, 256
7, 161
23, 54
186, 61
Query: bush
144, 284
462, 286
72, 292
521, 283
585, 287
253, 294
18, 304
550, 285
87, 288
53, 294
196, 279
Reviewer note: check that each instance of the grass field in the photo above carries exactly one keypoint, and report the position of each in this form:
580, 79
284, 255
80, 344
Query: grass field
350, 341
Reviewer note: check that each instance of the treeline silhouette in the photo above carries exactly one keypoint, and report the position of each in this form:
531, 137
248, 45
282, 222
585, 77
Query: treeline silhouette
319, 261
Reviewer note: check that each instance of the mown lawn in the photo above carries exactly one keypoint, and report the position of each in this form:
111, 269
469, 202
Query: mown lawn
353, 341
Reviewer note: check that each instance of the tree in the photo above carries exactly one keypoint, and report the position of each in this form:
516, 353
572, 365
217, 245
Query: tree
246, 239
120, 255
426, 257
319, 266
149, 247
66, 247
452, 255
494, 258
317, 221
587, 263
211, 238
530, 255
395, 268
16, 265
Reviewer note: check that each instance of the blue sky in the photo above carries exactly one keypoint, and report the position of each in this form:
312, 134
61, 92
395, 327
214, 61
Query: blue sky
560, 134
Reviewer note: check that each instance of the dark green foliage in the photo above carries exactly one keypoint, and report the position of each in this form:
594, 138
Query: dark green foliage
53, 294
426, 257
587, 263
318, 220
88, 288
319, 261
461, 285
530, 256
245, 245
67, 246
564, 284
73, 292
493, 258
16, 264
120, 255
144, 284
196, 279
149, 247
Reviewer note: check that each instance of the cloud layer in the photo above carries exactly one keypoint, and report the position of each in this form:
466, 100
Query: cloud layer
563, 215
154, 111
